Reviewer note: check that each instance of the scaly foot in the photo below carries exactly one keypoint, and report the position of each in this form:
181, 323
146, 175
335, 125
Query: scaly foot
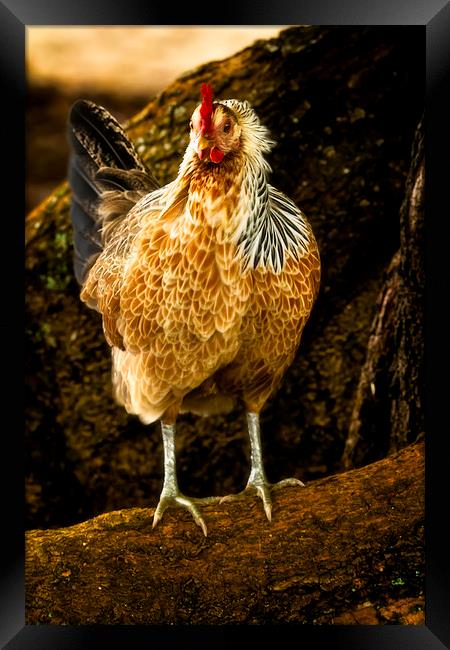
262, 488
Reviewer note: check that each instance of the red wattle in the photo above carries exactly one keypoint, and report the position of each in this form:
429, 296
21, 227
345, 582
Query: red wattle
216, 155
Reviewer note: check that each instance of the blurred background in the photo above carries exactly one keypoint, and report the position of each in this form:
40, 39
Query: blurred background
119, 67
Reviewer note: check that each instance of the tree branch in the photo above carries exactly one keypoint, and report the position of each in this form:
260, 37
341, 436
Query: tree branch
332, 548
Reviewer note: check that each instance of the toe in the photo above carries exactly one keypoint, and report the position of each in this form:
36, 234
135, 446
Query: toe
190, 505
181, 501
263, 491
287, 482
230, 497
161, 508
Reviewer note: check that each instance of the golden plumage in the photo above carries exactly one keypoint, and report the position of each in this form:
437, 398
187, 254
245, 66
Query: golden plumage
178, 308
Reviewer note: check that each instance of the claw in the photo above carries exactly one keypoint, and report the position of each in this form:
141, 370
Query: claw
157, 516
201, 522
263, 492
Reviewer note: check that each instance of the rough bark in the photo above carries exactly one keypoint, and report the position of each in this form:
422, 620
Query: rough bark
342, 103
371, 401
388, 404
345, 549
407, 413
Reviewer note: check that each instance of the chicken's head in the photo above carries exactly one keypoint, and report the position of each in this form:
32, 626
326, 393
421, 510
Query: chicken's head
215, 131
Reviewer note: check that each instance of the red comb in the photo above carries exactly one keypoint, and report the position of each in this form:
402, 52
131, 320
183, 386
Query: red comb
206, 108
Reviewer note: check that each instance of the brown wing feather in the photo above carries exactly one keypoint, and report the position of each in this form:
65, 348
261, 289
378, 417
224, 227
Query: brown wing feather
103, 284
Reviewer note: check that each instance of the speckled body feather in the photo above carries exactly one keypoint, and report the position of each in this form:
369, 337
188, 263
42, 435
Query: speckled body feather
204, 285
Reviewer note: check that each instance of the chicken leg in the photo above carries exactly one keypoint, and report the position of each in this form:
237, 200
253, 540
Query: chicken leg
170, 494
257, 484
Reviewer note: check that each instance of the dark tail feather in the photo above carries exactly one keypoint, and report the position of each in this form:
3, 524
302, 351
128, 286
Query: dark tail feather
97, 141
102, 137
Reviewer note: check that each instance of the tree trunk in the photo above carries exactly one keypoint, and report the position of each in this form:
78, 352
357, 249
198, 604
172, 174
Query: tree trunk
388, 408
407, 413
346, 549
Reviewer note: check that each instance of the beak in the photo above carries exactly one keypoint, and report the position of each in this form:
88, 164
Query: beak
203, 144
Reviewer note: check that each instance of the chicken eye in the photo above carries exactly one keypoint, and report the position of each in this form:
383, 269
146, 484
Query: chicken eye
227, 126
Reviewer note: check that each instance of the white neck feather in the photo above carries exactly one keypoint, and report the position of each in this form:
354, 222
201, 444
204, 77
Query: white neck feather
270, 226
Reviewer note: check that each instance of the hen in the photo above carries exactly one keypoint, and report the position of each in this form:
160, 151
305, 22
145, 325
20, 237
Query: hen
204, 285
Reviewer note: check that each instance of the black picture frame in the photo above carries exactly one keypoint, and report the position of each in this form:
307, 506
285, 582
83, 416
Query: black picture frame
434, 16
